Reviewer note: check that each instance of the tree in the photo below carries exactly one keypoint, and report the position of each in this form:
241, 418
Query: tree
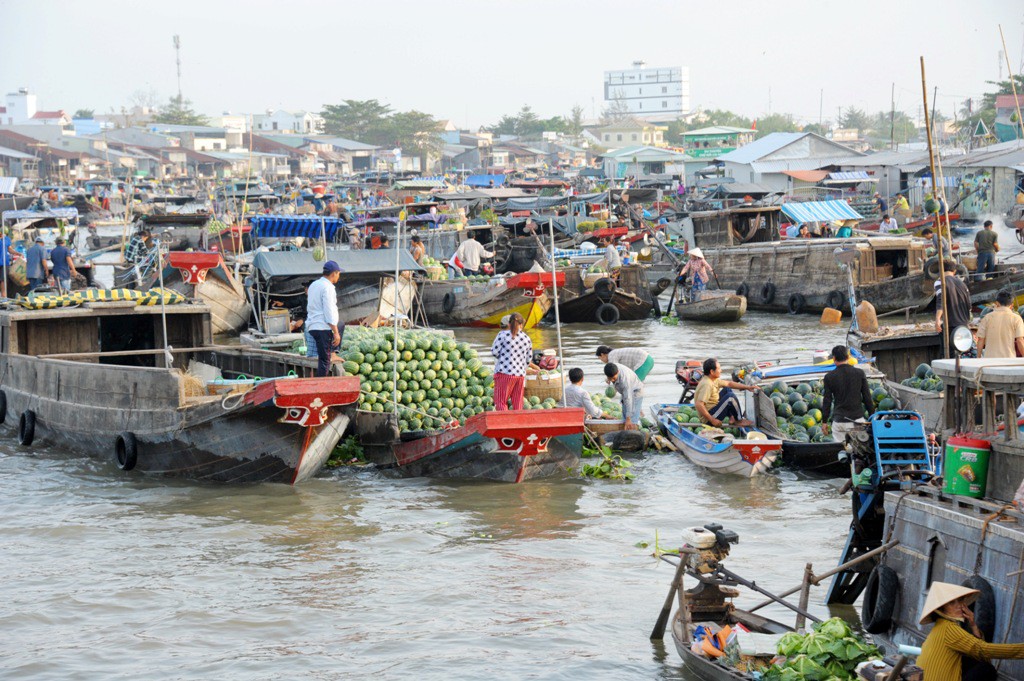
617, 109
526, 124
574, 123
178, 111
84, 113
855, 119
414, 132
971, 112
355, 119
817, 129
776, 122
506, 125
718, 117
886, 123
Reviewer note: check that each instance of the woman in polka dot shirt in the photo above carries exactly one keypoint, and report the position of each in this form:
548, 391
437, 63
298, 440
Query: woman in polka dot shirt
513, 351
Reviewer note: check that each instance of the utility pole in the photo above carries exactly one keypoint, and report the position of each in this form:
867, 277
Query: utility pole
892, 118
177, 60
821, 108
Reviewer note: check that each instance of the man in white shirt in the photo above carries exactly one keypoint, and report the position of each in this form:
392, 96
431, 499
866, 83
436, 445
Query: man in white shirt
887, 225
322, 316
576, 396
611, 256
470, 252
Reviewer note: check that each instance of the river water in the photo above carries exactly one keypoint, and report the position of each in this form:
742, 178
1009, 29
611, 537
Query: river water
108, 575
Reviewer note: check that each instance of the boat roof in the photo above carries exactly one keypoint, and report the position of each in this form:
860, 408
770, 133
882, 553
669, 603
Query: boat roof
301, 263
99, 309
1001, 370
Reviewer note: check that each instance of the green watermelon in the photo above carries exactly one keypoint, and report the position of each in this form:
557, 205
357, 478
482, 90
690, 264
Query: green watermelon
815, 414
799, 408
777, 399
351, 368
887, 404
784, 410
803, 389
780, 387
356, 357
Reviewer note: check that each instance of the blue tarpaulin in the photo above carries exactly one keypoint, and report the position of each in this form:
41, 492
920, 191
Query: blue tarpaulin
485, 180
820, 211
285, 226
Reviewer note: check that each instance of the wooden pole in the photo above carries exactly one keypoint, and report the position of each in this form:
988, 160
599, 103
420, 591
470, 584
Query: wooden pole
1013, 84
805, 595
942, 272
658, 632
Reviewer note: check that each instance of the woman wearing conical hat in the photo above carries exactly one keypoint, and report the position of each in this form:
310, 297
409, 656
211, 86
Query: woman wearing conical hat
949, 652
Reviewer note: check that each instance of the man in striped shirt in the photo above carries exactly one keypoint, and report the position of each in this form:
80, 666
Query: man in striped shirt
637, 359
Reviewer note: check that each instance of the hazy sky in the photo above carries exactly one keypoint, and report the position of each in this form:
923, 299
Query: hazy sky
473, 61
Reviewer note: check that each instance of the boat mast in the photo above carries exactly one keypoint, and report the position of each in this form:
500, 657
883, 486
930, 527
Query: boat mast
935, 190
554, 289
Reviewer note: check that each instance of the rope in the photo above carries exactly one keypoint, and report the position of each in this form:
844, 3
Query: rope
984, 533
895, 513
1013, 604
238, 401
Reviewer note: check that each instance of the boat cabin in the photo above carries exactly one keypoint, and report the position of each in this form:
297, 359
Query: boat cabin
732, 227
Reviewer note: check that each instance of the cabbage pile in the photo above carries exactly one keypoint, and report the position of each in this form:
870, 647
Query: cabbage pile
829, 652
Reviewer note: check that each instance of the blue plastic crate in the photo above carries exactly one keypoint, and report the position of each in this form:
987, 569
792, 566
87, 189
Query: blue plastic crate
899, 439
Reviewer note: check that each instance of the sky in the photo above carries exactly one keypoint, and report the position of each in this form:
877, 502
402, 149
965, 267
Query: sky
472, 61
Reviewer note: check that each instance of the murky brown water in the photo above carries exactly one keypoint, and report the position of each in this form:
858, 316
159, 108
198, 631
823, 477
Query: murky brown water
354, 575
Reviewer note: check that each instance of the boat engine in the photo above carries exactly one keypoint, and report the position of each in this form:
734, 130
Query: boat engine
712, 543
688, 373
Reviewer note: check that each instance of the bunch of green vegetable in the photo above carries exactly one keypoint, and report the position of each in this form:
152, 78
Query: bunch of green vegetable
829, 652
609, 467
346, 453
670, 321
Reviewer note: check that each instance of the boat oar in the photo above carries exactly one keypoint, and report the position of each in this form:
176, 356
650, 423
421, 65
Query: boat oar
677, 583
751, 585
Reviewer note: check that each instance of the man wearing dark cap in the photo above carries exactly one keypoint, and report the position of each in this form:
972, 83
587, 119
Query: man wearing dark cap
322, 316
847, 386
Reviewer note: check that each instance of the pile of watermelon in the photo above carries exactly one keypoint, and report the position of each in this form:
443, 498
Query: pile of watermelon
924, 379
688, 417
798, 408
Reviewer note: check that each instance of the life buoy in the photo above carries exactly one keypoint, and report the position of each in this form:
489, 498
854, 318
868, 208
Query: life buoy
768, 293
663, 284
931, 268
796, 303
984, 607
880, 599
126, 451
604, 288
3, 406
27, 427
606, 314
743, 290
835, 300
448, 302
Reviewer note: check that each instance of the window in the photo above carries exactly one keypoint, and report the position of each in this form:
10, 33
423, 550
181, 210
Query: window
664, 90
640, 91
641, 105
275, 125
634, 137
607, 137
618, 138
664, 104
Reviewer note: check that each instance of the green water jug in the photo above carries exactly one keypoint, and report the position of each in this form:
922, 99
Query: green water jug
965, 468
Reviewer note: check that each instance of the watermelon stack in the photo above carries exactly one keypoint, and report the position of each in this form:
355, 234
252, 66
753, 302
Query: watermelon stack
798, 408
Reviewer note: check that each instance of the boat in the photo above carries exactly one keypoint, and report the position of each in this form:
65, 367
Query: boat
723, 454
712, 306
745, 249
103, 380
205, 276
502, 446
461, 302
605, 302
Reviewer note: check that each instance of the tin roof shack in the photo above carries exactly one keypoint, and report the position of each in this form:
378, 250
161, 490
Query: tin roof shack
764, 160
713, 141
989, 178
645, 161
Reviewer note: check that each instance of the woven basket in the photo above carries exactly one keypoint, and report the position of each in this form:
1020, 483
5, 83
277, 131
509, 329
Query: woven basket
435, 273
601, 426
590, 279
544, 387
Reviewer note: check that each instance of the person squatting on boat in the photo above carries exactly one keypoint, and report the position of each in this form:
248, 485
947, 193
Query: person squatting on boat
631, 388
612, 259
513, 351
698, 269
137, 250
715, 400
577, 396
847, 387
322, 321
955, 649
637, 359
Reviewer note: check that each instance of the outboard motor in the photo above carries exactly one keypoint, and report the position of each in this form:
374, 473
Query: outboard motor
688, 373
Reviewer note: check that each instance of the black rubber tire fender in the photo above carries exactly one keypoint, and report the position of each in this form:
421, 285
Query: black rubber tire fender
663, 284
448, 302
502, 241
604, 288
796, 303
961, 270
984, 608
931, 268
743, 290
655, 308
835, 299
768, 293
606, 314
26, 427
126, 451
3, 406
880, 596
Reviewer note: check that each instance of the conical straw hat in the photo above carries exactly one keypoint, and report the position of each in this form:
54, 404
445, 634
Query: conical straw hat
941, 593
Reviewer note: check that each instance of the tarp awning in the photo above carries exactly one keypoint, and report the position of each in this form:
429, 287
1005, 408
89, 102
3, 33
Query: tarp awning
8, 185
850, 176
59, 213
287, 226
807, 175
536, 202
820, 211
756, 191
301, 263
484, 180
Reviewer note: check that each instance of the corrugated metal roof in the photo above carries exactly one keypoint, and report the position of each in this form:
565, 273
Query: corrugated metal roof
762, 147
794, 164
850, 176
820, 211
11, 153
7, 184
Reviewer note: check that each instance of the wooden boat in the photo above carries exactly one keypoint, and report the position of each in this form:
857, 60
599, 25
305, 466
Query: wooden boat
458, 302
985, 290
606, 302
705, 667
802, 275
133, 403
725, 455
914, 226
712, 306
504, 446
206, 276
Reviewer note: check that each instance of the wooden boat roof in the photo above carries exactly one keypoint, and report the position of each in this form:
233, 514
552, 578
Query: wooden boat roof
17, 314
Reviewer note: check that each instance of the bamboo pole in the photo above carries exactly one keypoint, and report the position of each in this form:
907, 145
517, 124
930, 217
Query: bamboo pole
805, 596
1013, 84
942, 272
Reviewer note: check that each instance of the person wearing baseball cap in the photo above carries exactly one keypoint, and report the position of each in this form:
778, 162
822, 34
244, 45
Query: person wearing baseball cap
35, 265
322, 320
955, 648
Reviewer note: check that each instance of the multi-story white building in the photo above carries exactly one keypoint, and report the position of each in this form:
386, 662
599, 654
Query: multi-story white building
650, 93
289, 122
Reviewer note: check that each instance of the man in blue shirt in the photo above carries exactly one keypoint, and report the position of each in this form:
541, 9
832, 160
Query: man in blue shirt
8, 254
322, 321
63, 267
35, 265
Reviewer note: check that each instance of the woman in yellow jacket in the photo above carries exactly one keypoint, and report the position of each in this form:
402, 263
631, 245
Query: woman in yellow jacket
951, 654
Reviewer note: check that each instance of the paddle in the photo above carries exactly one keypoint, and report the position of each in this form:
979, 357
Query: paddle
751, 585
666, 610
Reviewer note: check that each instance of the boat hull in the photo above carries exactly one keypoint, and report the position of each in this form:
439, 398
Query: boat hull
723, 307
745, 458
819, 458
584, 308
480, 304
